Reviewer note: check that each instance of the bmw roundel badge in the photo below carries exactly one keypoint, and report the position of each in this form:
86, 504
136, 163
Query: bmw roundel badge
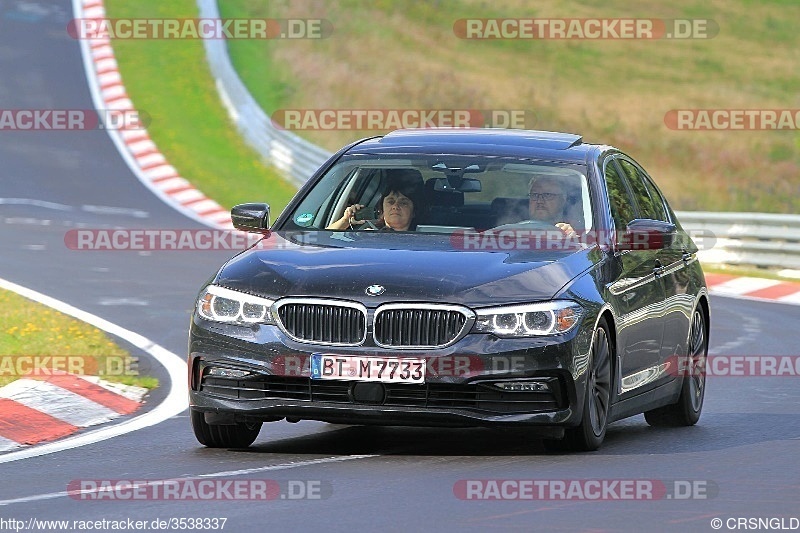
375, 290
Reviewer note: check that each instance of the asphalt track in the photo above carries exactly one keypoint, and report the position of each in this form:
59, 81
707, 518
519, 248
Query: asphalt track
745, 447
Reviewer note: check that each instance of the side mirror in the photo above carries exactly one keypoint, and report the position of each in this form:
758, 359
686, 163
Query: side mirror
251, 217
646, 234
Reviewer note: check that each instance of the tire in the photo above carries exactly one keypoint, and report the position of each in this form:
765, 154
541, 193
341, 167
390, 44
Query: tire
219, 436
589, 435
686, 411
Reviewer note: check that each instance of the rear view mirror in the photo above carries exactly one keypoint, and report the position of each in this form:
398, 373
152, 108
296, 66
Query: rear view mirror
463, 185
251, 217
470, 185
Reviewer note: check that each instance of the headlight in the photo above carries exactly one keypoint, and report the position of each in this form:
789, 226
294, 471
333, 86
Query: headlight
546, 318
224, 305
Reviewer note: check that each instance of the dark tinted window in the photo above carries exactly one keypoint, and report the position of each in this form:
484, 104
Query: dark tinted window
658, 200
649, 207
622, 210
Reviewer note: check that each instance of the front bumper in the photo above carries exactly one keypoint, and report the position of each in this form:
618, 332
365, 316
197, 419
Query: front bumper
459, 390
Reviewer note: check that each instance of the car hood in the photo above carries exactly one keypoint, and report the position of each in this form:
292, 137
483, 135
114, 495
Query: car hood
411, 268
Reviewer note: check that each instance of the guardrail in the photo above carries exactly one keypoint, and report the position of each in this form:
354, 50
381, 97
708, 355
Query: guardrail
745, 239
296, 157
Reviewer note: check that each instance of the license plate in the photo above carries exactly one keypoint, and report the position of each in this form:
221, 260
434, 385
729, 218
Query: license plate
357, 368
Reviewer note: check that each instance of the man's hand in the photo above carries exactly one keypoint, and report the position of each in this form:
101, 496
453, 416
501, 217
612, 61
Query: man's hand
567, 229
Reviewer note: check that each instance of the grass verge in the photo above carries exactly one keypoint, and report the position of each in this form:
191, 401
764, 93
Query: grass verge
34, 336
170, 80
404, 55
747, 272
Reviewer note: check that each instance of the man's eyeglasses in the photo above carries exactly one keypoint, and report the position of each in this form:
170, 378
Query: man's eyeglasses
547, 196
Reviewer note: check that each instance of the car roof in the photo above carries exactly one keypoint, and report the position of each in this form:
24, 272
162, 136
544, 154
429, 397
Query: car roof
547, 145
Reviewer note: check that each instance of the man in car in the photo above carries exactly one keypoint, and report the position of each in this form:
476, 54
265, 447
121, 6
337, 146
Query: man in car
548, 202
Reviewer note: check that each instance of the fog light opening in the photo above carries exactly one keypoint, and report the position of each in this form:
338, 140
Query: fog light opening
523, 386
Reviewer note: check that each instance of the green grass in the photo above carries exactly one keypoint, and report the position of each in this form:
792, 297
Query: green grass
748, 272
30, 329
170, 80
386, 54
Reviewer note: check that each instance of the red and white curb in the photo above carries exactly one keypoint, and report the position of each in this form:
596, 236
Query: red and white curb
135, 145
769, 290
41, 408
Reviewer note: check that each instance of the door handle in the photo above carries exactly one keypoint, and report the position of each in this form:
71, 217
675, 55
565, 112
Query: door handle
658, 270
687, 257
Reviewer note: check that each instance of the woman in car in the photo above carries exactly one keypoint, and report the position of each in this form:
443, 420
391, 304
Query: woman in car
398, 208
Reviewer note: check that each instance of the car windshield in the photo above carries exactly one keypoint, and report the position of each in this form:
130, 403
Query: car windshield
444, 194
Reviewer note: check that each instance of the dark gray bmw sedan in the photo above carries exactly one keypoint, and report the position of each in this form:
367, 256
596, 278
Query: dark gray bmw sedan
457, 278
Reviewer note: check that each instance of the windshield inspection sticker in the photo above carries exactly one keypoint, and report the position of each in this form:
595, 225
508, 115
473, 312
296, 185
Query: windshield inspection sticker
304, 219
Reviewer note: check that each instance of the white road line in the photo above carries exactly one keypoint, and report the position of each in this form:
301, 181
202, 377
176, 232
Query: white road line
230, 473
37, 203
28, 221
174, 403
286, 466
57, 402
123, 301
98, 209
108, 210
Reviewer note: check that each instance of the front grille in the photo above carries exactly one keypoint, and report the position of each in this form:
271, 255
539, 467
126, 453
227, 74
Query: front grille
418, 327
323, 322
476, 397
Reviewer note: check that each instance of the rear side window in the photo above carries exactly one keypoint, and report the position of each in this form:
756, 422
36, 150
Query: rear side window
650, 206
658, 200
621, 202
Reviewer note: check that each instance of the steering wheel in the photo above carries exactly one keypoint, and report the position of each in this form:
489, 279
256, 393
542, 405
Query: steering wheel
370, 224
528, 224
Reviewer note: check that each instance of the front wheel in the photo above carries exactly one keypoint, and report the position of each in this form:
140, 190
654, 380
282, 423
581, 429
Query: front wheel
589, 435
686, 411
223, 436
